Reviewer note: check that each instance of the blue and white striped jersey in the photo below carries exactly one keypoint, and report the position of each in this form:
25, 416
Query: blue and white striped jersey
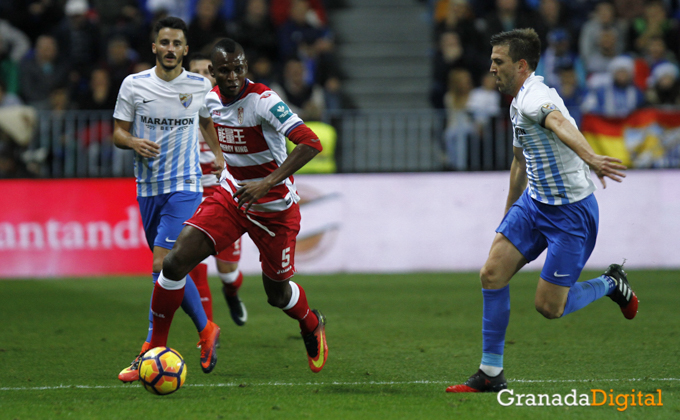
166, 113
556, 174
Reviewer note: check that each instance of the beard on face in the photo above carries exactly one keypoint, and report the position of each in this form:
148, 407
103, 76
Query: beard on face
179, 59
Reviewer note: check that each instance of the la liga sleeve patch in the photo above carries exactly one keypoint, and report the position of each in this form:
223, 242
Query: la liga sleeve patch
546, 109
281, 112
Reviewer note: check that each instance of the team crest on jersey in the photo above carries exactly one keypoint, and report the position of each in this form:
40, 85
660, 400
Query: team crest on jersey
185, 99
281, 111
240, 115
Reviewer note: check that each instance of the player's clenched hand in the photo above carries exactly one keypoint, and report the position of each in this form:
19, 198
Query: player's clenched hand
145, 148
218, 166
250, 192
609, 167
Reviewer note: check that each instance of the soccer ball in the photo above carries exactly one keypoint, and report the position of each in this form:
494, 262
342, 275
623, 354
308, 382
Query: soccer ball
162, 371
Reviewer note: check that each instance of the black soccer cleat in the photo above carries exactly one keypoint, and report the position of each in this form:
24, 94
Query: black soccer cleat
622, 294
237, 309
481, 382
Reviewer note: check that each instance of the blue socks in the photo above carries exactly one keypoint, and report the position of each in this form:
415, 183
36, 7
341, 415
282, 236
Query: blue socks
585, 292
191, 305
495, 319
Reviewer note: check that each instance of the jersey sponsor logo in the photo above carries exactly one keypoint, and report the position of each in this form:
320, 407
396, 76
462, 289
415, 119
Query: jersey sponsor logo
218, 113
142, 76
185, 99
146, 101
549, 106
166, 121
191, 76
266, 95
560, 275
281, 112
169, 240
240, 115
232, 140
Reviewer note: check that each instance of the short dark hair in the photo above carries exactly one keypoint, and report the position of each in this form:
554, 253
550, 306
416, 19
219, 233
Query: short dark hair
172, 23
524, 45
227, 45
197, 57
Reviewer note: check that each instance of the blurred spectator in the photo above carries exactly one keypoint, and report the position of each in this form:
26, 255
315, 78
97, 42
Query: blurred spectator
13, 43
315, 15
558, 55
604, 18
618, 97
551, 15
13, 47
206, 26
43, 73
120, 61
664, 85
78, 37
261, 69
141, 66
123, 18
453, 54
571, 91
99, 94
458, 122
484, 102
457, 16
655, 54
653, 23
629, 9
312, 44
506, 17
36, 17
297, 32
179, 8
304, 99
254, 31
8, 98
598, 61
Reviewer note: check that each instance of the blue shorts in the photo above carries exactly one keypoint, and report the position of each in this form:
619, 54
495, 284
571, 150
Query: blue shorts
163, 216
568, 231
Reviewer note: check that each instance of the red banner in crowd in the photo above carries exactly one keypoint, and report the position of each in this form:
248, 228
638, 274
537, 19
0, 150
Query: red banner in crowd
60, 228
647, 138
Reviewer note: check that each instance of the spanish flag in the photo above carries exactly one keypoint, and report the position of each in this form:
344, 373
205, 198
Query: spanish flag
647, 138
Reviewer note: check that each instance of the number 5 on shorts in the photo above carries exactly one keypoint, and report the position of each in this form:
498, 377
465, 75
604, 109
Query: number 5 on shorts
285, 258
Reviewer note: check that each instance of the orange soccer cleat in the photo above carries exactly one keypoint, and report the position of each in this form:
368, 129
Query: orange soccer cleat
131, 373
315, 343
207, 344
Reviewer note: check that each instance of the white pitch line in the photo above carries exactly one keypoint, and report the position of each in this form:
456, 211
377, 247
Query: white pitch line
233, 384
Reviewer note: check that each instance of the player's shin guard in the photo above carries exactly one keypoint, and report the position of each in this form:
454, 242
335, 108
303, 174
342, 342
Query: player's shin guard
495, 319
192, 305
583, 293
298, 309
200, 277
167, 297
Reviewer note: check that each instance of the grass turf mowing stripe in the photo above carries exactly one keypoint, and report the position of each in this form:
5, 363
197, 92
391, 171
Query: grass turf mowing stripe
43, 388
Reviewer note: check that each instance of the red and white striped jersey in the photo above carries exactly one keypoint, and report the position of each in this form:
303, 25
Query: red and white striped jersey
206, 157
252, 132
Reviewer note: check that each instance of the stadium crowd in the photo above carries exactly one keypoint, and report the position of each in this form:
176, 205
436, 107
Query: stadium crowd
74, 54
603, 57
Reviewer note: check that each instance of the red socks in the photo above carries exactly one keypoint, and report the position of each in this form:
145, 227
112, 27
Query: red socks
200, 277
298, 309
231, 289
167, 297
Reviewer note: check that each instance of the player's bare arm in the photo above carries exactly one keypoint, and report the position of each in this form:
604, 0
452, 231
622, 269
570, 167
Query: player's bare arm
207, 128
250, 192
603, 166
518, 177
124, 140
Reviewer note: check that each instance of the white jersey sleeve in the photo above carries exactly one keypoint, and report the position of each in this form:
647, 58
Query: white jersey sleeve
277, 114
125, 103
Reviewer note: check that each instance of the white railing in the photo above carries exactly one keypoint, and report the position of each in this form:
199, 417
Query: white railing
78, 144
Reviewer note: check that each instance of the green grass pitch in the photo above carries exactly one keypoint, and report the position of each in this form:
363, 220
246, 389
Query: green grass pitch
396, 342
